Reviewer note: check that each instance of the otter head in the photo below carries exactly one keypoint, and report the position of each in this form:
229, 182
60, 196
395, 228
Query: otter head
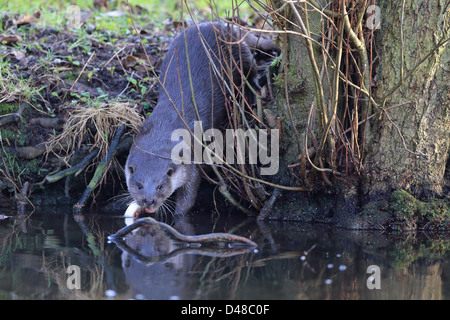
152, 179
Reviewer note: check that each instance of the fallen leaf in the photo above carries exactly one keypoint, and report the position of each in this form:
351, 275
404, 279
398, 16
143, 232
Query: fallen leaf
101, 3
143, 58
10, 39
115, 13
130, 61
18, 55
26, 19
178, 24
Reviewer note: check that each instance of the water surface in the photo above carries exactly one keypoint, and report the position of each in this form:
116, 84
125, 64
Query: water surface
292, 261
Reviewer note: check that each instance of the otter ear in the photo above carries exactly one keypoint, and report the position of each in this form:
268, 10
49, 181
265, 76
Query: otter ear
146, 127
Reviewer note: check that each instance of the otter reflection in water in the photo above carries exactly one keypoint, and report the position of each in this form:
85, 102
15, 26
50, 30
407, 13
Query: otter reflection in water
157, 266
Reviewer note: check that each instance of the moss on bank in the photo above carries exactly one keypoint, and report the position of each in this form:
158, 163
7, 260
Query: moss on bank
411, 213
396, 211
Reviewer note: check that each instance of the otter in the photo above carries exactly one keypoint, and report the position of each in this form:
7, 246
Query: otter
211, 47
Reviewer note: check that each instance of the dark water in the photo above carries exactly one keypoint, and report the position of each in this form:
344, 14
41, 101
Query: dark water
292, 261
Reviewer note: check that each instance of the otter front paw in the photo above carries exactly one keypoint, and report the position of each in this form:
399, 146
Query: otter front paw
180, 211
185, 200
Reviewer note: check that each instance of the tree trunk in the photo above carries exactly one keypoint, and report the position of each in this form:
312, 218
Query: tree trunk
410, 149
362, 151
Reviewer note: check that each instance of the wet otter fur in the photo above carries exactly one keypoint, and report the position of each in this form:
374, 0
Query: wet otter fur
151, 176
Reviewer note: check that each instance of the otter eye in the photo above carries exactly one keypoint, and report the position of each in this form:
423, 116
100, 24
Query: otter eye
140, 186
131, 169
170, 172
159, 187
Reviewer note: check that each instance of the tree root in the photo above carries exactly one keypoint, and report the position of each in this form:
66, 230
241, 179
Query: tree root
73, 170
31, 152
269, 205
100, 168
12, 117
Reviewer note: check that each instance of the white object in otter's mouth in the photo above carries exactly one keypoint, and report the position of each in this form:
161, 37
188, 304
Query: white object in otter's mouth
132, 210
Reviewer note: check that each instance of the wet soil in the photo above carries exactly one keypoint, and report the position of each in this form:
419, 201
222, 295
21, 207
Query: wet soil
62, 68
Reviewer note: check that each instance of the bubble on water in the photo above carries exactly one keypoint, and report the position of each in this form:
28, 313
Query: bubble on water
174, 298
338, 255
342, 267
328, 281
330, 266
110, 293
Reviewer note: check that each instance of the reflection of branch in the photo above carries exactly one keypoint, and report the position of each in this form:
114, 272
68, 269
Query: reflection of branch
210, 252
202, 239
98, 252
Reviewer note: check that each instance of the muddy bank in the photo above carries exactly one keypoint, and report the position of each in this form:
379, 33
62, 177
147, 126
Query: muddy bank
51, 74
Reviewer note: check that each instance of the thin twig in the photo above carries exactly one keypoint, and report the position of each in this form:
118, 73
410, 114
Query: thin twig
335, 91
402, 58
419, 154
316, 73
413, 70
82, 70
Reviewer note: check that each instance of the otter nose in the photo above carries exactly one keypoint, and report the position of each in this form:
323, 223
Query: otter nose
149, 202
